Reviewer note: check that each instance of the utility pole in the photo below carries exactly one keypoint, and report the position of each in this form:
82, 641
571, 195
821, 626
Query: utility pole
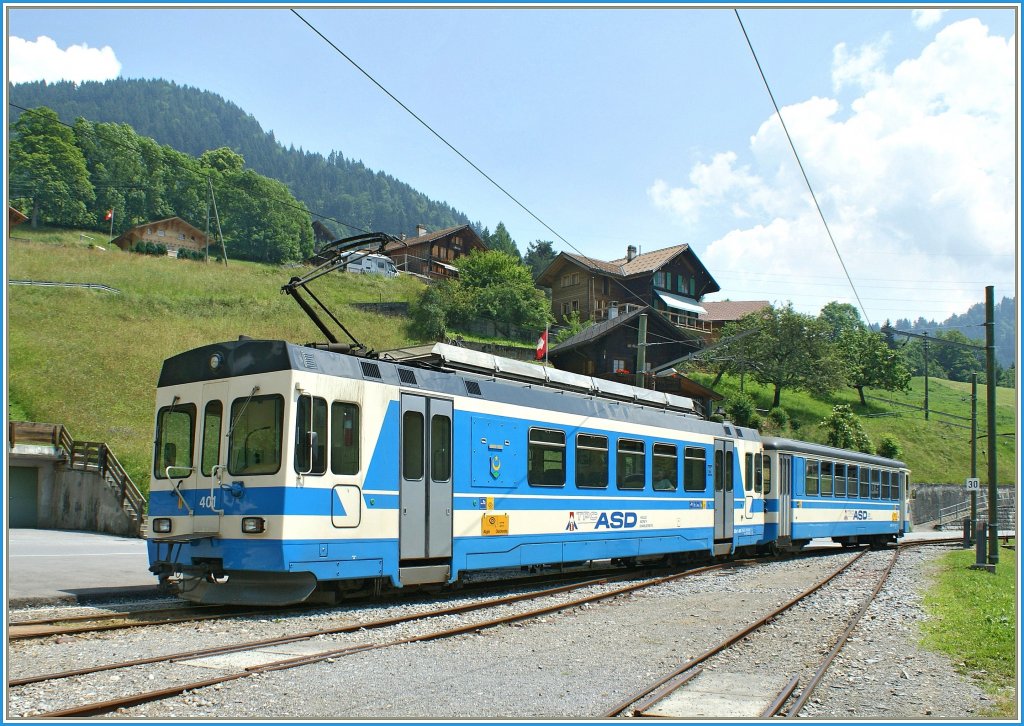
974, 453
925, 346
641, 351
990, 384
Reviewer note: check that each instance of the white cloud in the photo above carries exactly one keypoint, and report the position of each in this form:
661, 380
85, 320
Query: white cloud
42, 60
915, 178
924, 19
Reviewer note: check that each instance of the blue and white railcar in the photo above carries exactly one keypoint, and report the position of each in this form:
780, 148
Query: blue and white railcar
278, 468
825, 492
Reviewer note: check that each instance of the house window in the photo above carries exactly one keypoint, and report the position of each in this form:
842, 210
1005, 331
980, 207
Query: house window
659, 279
160, 233
619, 365
576, 305
680, 285
693, 286
565, 309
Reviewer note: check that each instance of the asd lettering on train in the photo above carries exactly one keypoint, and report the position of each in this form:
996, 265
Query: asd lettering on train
616, 520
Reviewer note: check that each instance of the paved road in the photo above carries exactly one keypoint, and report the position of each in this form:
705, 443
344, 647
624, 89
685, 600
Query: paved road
45, 565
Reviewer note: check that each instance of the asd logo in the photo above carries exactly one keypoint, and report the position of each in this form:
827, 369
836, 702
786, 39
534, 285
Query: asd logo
616, 520
860, 515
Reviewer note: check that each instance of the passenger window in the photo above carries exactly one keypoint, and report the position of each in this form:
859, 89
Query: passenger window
876, 485
695, 478
175, 428
666, 468
344, 438
766, 470
852, 473
826, 478
412, 446
311, 435
629, 464
757, 473
254, 440
719, 465
440, 448
811, 480
729, 465
211, 436
748, 478
840, 485
591, 461
546, 458
865, 483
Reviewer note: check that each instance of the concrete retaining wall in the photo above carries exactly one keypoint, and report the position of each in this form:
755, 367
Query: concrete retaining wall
74, 499
930, 499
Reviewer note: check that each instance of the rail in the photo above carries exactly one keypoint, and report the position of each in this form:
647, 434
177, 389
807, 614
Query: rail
84, 456
48, 283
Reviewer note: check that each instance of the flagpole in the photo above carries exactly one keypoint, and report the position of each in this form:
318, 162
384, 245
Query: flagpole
547, 344
111, 226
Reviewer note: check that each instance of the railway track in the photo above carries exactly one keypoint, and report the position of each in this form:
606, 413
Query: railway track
747, 693
277, 663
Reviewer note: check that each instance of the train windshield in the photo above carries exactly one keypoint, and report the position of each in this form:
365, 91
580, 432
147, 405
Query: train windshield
256, 428
175, 429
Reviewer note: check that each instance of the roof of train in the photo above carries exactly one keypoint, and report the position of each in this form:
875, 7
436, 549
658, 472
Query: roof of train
773, 443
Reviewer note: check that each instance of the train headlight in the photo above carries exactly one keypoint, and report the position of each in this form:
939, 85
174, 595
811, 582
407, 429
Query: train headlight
162, 525
253, 525
215, 360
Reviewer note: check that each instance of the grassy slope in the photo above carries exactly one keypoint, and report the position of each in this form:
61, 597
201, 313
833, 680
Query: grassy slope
936, 451
90, 359
974, 622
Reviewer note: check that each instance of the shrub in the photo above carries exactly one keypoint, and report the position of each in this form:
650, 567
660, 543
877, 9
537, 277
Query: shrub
889, 447
844, 430
741, 410
779, 418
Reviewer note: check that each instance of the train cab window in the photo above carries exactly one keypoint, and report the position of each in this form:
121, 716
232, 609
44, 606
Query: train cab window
839, 489
766, 473
811, 478
666, 468
629, 464
254, 441
344, 438
440, 448
826, 478
311, 435
546, 458
695, 477
412, 445
591, 461
175, 429
748, 473
852, 473
210, 455
865, 483
876, 484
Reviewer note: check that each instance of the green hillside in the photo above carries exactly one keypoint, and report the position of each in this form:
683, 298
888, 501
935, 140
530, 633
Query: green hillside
937, 450
90, 359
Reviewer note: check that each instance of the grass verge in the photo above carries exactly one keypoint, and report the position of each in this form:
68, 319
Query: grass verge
974, 622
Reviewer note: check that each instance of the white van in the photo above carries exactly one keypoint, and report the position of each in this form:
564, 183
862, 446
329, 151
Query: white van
371, 264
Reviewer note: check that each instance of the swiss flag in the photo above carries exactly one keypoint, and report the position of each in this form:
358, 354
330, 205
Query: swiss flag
542, 345
110, 215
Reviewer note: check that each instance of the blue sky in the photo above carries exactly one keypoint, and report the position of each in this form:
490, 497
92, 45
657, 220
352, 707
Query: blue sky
651, 127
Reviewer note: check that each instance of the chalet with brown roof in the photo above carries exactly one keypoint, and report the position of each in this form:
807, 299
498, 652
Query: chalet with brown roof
14, 217
431, 254
718, 314
173, 233
670, 280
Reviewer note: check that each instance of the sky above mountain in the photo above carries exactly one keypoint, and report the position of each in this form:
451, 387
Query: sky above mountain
618, 126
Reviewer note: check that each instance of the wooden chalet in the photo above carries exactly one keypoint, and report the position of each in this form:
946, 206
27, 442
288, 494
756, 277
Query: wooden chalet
430, 254
671, 281
609, 350
14, 217
173, 233
718, 314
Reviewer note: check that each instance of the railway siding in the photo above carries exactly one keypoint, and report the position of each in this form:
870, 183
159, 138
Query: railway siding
562, 665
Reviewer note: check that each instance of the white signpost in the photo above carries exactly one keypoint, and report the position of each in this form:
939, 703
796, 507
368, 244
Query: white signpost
972, 484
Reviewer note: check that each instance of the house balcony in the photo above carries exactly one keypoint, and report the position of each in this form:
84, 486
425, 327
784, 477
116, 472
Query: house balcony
683, 321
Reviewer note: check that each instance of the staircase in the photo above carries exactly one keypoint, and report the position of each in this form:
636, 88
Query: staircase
952, 517
85, 456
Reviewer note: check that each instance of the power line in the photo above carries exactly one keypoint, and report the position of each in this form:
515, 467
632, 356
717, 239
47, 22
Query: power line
800, 164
